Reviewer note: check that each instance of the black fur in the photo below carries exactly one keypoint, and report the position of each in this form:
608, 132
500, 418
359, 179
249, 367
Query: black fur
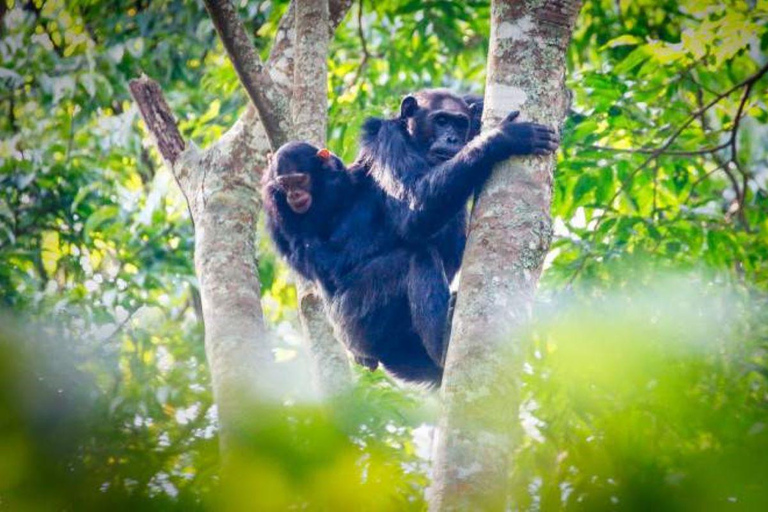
385, 253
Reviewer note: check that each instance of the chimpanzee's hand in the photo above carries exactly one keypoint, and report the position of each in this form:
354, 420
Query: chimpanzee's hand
527, 138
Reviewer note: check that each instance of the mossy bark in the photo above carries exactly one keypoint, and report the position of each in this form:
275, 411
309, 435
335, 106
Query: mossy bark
510, 230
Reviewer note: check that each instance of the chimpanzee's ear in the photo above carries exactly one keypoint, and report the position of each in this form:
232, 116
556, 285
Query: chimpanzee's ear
408, 107
324, 154
476, 109
270, 156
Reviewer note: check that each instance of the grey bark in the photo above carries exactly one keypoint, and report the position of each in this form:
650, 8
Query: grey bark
510, 230
221, 189
310, 78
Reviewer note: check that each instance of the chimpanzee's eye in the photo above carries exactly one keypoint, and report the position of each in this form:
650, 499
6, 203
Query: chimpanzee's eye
440, 120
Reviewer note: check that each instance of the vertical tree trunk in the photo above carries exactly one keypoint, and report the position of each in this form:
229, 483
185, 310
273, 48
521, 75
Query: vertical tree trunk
220, 186
509, 238
330, 366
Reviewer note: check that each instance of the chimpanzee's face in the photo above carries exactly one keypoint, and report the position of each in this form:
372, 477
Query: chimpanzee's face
295, 169
439, 124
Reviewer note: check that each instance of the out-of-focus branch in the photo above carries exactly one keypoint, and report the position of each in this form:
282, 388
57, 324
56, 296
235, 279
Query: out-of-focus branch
271, 103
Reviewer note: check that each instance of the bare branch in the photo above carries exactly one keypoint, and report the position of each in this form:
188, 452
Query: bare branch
269, 100
363, 44
737, 120
158, 117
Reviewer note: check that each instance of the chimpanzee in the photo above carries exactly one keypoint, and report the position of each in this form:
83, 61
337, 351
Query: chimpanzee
386, 257
305, 192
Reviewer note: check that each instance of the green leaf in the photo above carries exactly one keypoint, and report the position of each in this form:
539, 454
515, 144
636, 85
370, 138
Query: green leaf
623, 40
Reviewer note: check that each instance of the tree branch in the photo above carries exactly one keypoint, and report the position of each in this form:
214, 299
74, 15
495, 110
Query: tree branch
337, 11
668, 152
158, 117
509, 235
269, 100
281, 61
330, 366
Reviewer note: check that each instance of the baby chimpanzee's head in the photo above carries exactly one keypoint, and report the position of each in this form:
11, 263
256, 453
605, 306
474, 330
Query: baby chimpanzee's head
296, 169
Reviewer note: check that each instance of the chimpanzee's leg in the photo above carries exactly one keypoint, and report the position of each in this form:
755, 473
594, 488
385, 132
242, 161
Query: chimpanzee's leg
429, 296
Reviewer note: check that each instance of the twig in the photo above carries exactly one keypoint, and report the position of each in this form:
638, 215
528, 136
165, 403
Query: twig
363, 44
737, 122
121, 325
699, 181
668, 152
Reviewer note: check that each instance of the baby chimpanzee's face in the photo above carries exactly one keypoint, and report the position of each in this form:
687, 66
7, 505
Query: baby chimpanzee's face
296, 167
298, 190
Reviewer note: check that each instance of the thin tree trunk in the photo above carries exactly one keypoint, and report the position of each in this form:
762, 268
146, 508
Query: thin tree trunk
510, 232
330, 365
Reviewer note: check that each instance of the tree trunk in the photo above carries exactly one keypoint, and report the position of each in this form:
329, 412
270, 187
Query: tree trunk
221, 186
510, 231
330, 366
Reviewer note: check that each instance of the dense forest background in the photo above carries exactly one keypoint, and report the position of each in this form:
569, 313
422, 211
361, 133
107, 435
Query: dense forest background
645, 385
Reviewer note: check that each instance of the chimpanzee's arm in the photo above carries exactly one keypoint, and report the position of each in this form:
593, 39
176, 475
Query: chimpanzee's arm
290, 243
437, 195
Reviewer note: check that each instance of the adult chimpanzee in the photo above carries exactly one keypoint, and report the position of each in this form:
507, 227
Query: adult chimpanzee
392, 249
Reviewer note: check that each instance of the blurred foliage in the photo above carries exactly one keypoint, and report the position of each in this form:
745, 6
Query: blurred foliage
652, 397
107, 402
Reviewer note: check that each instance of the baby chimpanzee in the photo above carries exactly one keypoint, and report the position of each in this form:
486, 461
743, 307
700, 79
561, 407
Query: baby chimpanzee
305, 192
